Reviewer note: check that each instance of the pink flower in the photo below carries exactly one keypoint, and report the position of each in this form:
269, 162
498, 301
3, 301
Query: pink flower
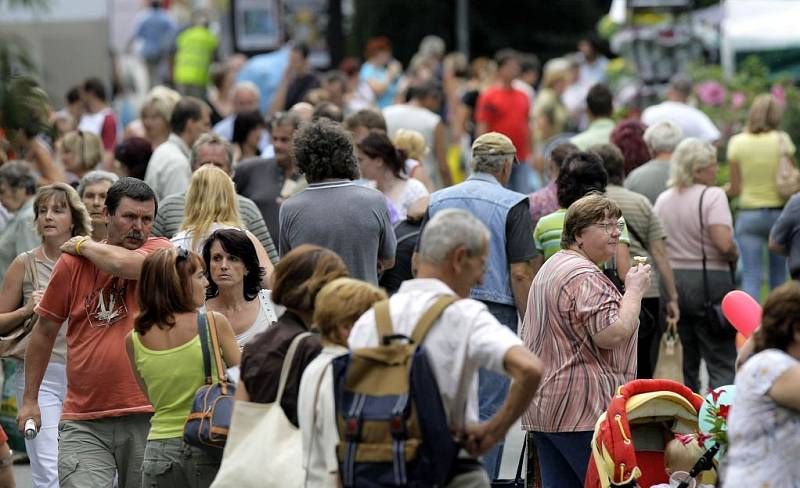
779, 93
711, 93
738, 99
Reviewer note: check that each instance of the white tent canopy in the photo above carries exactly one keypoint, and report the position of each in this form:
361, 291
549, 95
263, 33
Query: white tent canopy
758, 25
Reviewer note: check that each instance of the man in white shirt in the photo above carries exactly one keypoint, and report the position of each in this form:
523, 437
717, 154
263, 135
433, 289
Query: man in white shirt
169, 171
419, 115
452, 259
693, 122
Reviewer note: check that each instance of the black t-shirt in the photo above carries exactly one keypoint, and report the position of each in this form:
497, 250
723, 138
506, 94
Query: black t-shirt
298, 88
519, 233
407, 234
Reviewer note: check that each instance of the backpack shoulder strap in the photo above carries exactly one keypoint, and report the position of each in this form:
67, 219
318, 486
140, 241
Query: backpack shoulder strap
430, 316
383, 320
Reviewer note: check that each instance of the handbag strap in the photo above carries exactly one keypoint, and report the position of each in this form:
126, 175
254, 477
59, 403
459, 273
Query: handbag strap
706, 293
636, 235
519, 477
287, 364
215, 347
202, 331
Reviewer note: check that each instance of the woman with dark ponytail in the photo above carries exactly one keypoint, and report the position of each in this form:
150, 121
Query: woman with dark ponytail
383, 164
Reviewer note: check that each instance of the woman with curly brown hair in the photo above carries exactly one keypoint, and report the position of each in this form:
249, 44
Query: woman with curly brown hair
764, 422
298, 278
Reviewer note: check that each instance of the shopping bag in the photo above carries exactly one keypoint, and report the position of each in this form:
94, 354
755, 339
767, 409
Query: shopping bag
669, 365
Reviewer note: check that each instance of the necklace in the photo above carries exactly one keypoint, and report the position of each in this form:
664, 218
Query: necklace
48, 257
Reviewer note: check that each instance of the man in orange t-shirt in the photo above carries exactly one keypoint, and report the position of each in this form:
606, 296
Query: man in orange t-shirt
106, 417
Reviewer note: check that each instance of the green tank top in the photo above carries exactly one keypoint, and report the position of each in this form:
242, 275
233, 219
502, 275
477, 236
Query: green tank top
172, 377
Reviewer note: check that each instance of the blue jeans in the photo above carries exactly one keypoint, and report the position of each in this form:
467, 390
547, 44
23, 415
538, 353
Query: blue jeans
752, 233
493, 389
563, 457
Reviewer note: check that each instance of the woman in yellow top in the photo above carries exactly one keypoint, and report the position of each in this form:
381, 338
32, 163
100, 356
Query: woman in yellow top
753, 156
166, 356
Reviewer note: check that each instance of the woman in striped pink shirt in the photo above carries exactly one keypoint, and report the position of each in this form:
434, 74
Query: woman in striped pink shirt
584, 329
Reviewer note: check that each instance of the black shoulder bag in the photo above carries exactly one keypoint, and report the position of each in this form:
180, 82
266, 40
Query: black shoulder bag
717, 323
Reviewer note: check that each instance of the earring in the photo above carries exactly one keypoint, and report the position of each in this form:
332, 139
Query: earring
580, 245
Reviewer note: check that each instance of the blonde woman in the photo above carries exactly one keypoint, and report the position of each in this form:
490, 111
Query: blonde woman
156, 112
413, 144
81, 152
692, 196
337, 307
211, 204
753, 156
58, 216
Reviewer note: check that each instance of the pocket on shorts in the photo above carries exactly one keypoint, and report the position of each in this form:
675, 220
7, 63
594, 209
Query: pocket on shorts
67, 466
155, 469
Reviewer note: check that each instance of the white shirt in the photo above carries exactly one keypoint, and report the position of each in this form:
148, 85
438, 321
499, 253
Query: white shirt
422, 120
316, 414
465, 336
169, 171
692, 121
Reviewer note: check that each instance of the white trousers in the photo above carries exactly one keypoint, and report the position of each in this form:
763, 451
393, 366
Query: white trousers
43, 450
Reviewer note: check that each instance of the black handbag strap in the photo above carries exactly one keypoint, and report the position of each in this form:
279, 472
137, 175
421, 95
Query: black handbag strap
519, 477
706, 293
202, 330
636, 235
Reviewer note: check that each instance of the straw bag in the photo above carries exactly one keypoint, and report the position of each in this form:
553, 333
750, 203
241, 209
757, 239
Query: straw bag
669, 365
264, 448
14, 343
787, 178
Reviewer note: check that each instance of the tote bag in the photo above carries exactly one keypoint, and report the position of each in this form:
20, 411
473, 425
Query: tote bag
669, 365
264, 448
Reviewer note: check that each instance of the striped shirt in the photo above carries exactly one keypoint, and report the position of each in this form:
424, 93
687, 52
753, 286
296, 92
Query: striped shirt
571, 301
640, 216
170, 217
547, 234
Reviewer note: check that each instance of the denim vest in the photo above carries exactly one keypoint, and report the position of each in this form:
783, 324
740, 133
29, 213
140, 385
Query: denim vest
483, 196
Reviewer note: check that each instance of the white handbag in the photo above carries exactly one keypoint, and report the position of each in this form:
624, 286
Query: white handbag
264, 449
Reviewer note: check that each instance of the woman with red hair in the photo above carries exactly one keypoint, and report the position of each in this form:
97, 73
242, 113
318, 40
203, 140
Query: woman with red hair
628, 136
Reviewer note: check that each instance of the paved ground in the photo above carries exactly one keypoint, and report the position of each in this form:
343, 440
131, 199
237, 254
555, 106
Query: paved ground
22, 474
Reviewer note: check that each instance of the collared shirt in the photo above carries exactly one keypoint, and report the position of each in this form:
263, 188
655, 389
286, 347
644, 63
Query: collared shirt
465, 338
169, 171
351, 220
18, 236
598, 132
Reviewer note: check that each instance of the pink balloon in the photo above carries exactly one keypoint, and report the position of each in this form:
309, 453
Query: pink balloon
742, 311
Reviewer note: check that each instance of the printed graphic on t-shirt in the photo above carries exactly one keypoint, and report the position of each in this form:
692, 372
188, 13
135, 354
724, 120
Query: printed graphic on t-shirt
106, 306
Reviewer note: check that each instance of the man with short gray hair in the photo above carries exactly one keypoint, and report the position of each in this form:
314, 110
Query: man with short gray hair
509, 268
246, 97
676, 109
212, 149
650, 179
453, 253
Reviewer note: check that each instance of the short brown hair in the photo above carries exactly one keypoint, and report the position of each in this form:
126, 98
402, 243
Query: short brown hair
342, 301
302, 273
781, 318
164, 287
63, 193
585, 212
764, 115
366, 117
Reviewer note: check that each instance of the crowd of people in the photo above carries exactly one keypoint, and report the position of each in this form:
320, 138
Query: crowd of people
333, 217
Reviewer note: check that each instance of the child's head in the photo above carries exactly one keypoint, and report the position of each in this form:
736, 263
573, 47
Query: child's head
682, 457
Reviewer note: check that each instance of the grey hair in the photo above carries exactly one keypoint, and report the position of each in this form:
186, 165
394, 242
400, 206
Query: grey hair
690, 155
94, 177
663, 137
490, 163
449, 229
245, 86
211, 139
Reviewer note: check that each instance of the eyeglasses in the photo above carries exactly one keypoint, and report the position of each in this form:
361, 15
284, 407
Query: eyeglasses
609, 227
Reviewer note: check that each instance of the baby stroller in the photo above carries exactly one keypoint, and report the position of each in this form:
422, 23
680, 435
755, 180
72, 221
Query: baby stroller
629, 439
